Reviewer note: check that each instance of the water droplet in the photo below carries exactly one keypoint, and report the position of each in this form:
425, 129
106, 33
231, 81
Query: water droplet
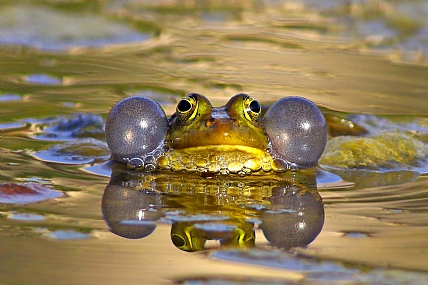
135, 163
149, 159
157, 152
149, 167
214, 168
234, 167
163, 162
173, 157
177, 166
280, 165
191, 167
266, 166
201, 162
185, 160
253, 164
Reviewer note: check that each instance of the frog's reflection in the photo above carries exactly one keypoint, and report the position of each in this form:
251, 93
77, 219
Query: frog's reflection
287, 208
295, 217
131, 213
192, 233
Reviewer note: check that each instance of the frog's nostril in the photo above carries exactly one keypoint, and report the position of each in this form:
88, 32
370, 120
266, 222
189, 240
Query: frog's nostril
221, 122
210, 122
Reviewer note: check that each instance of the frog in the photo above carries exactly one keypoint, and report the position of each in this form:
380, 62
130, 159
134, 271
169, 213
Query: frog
236, 138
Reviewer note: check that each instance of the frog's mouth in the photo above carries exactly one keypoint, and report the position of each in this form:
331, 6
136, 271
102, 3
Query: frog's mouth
222, 149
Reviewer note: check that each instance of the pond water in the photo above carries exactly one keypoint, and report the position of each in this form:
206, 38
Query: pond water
68, 215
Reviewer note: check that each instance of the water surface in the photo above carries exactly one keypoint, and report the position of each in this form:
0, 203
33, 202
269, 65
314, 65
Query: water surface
363, 61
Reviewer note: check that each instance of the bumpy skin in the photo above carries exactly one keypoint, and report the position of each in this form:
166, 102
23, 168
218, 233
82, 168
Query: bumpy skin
135, 126
228, 139
203, 125
297, 130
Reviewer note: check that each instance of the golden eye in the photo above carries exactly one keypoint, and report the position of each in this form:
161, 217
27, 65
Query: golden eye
187, 108
252, 108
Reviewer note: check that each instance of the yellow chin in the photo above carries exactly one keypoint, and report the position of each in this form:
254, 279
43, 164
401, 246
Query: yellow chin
223, 159
222, 149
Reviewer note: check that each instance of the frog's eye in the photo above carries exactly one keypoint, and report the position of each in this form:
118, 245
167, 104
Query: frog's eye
252, 108
184, 237
187, 108
178, 241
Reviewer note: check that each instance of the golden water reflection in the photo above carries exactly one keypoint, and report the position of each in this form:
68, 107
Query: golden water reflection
366, 57
287, 208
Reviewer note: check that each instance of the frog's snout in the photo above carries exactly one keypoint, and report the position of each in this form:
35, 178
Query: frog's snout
220, 122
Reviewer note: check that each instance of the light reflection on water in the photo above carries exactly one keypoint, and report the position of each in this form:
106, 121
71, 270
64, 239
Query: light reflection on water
56, 30
370, 218
214, 209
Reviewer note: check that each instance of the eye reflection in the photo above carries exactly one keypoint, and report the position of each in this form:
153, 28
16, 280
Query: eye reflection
287, 212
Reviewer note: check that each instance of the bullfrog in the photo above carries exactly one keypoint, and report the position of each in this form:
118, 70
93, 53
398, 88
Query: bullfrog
232, 139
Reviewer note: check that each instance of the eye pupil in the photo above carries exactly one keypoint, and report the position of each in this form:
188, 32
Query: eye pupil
184, 106
255, 106
178, 241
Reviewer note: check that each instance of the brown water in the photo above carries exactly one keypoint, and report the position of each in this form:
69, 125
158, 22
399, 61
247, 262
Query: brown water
62, 59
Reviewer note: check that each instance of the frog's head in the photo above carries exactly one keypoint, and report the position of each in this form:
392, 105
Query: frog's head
196, 123
230, 139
